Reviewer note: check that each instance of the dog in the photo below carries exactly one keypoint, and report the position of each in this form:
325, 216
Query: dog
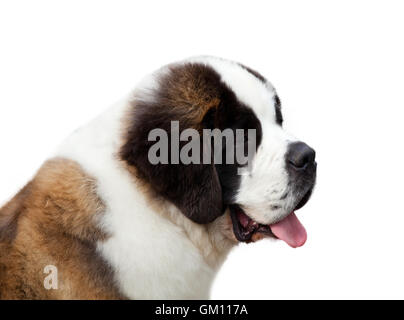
100, 221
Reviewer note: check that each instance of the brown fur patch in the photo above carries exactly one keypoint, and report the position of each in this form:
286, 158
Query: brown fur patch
53, 221
10, 213
189, 89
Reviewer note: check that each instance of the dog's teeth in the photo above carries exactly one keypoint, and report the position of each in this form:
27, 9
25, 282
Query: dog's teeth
252, 225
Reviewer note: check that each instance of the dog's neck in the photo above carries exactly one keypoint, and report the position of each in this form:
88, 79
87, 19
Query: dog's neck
154, 249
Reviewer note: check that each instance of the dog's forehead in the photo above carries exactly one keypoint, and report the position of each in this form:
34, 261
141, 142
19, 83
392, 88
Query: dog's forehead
253, 91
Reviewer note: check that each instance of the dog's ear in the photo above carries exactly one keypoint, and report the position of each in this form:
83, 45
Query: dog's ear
203, 201
196, 191
194, 188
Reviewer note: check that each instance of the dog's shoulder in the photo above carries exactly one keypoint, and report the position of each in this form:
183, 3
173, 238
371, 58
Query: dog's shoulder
52, 221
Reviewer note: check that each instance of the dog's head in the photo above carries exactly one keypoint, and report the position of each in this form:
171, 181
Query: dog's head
211, 93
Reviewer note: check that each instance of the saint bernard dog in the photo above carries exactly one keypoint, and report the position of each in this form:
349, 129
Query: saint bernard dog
115, 226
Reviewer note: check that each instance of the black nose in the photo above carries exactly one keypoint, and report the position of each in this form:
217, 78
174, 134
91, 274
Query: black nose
300, 155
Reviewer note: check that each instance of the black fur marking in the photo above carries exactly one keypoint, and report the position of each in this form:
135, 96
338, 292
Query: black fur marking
278, 113
194, 95
254, 73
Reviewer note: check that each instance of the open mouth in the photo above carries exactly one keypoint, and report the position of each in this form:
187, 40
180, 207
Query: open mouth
289, 229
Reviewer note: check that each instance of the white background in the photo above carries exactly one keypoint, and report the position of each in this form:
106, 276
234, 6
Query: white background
338, 68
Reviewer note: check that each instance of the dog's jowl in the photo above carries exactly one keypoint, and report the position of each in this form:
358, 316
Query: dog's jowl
147, 200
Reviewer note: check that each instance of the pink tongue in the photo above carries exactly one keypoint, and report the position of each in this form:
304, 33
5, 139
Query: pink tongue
290, 230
